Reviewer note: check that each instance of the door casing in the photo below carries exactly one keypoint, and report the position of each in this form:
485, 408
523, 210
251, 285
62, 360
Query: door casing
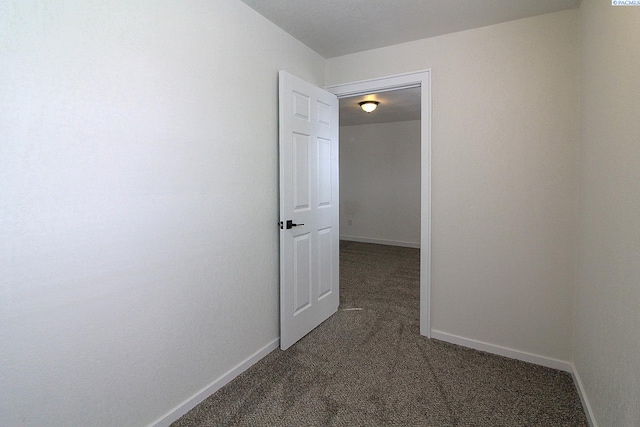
420, 79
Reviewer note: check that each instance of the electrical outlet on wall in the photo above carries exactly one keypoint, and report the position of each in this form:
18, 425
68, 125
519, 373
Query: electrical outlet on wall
350, 221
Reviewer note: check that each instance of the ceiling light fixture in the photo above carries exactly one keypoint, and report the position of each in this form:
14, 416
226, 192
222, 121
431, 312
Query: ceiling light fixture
368, 106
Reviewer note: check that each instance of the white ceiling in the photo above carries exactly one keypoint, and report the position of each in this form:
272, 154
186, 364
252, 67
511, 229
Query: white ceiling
395, 106
339, 27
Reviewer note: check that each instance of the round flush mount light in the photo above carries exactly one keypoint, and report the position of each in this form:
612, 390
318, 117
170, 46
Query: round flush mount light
368, 106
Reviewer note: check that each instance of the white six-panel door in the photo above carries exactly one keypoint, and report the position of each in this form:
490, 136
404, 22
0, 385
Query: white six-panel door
309, 245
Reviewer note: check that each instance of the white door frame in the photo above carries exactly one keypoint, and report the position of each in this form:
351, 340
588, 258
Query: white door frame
420, 79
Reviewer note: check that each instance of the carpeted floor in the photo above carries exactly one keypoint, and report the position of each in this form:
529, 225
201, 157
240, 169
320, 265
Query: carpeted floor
371, 367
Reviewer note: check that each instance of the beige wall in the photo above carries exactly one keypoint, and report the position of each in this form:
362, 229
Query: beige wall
137, 246
607, 337
505, 150
138, 202
380, 183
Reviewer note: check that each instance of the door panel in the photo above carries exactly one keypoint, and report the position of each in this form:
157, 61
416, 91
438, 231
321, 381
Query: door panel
325, 285
301, 172
309, 270
301, 266
324, 173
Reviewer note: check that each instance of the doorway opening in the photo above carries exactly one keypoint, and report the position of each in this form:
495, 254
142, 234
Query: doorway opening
421, 82
380, 169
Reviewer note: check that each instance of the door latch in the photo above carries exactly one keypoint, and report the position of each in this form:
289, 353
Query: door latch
289, 225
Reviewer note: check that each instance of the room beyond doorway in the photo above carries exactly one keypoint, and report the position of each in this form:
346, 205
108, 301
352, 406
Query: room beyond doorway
380, 169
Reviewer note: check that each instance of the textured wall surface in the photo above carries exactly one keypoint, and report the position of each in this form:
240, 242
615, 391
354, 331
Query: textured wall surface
138, 202
380, 182
505, 125
607, 337
138, 197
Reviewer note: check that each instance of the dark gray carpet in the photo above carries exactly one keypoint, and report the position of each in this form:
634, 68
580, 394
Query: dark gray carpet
371, 367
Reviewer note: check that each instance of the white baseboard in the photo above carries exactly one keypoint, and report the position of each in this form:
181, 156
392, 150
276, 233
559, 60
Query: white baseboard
503, 351
583, 397
525, 357
216, 385
381, 241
